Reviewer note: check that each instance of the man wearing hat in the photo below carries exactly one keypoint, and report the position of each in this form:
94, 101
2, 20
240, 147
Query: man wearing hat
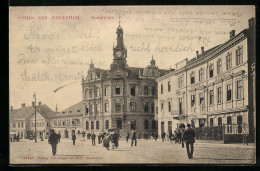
189, 137
53, 140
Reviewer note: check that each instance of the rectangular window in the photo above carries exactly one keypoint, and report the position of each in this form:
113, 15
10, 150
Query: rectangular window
117, 90
229, 93
162, 106
86, 110
96, 108
180, 106
14, 125
152, 107
156, 110
180, 82
201, 74
239, 119
239, 89
219, 95
229, 61
133, 106
161, 88
96, 91
211, 97
18, 124
211, 121
90, 93
153, 90
106, 107
169, 106
145, 90
22, 125
201, 98
105, 92
192, 78
169, 86
192, 100
133, 90
239, 55
202, 122
118, 107
219, 64
211, 71
219, 121
146, 107
229, 120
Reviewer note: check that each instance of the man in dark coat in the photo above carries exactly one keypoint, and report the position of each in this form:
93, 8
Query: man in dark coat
73, 138
93, 138
133, 136
163, 136
53, 140
127, 137
189, 137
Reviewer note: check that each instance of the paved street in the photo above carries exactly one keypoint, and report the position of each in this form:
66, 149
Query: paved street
147, 151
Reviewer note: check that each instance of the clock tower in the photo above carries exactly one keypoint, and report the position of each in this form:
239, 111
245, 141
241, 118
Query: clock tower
119, 52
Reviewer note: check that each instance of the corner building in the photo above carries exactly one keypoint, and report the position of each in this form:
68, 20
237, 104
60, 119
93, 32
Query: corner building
215, 88
122, 97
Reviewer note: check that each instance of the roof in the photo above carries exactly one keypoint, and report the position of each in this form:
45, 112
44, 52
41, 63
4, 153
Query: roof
25, 112
74, 110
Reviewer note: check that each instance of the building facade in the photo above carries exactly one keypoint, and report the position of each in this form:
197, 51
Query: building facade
69, 120
121, 97
213, 89
22, 121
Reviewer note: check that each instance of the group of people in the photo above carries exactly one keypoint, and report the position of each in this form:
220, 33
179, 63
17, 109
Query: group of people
181, 135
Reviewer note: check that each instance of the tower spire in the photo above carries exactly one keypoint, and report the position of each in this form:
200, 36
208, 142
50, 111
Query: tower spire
119, 19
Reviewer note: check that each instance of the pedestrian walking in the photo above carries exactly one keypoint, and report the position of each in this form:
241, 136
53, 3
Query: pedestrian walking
127, 137
133, 136
245, 134
99, 139
182, 134
163, 136
189, 138
156, 136
93, 138
73, 138
53, 140
59, 136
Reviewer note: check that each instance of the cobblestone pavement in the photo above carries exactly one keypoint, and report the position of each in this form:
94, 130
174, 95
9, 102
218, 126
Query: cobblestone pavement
146, 151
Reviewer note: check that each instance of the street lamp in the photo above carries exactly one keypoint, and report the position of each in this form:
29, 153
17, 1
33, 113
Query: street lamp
34, 95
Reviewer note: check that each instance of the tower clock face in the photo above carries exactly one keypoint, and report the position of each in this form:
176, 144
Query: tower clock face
118, 53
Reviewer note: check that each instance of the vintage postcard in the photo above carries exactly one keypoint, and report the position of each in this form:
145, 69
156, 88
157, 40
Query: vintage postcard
132, 85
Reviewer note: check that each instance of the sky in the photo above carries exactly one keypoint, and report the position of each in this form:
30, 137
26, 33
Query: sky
48, 50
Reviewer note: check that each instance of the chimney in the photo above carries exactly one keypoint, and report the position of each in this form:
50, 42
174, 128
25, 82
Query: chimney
202, 49
232, 34
40, 103
251, 23
33, 104
197, 53
12, 108
23, 105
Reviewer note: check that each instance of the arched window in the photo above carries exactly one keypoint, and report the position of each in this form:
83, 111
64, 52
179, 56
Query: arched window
153, 124
97, 125
133, 124
107, 124
119, 123
92, 124
146, 124
87, 125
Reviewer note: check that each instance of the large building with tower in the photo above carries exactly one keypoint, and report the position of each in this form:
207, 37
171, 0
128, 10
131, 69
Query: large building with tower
215, 88
121, 97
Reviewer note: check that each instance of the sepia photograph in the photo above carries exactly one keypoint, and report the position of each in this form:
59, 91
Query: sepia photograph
132, 84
